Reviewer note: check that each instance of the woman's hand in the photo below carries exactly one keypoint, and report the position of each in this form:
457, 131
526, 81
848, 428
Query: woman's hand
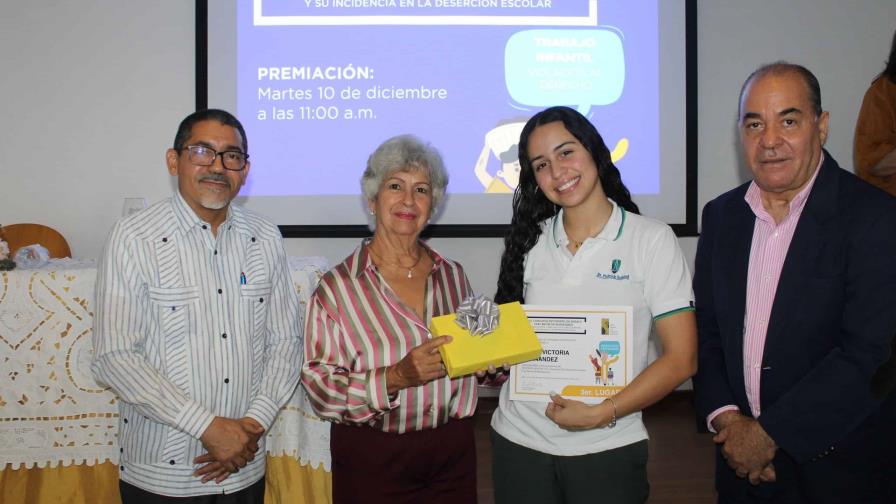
576, 415
493, 376
422, 364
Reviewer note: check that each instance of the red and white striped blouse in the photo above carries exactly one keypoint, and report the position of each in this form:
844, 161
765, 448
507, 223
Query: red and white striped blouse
357, 327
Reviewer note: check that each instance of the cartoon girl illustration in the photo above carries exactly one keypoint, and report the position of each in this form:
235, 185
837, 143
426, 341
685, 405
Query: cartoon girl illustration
605, 371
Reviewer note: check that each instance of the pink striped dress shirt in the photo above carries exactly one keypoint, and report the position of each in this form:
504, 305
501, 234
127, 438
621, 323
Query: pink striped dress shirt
357, 326
767, 253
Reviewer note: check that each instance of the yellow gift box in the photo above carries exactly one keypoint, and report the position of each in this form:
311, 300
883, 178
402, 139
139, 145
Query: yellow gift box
512, 342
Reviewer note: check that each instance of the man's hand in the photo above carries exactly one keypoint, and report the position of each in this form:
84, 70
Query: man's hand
212, 470
747, 447
422, 364
768, 473
726, 418
254, 430
227, 442
220, 470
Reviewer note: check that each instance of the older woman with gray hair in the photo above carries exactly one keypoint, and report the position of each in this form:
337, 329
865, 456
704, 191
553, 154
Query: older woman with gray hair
402, 429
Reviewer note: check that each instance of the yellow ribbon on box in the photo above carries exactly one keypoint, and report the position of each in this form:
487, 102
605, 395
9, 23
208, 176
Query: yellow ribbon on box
512, 342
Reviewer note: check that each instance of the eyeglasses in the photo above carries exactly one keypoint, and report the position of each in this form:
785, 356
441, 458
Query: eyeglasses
232, 160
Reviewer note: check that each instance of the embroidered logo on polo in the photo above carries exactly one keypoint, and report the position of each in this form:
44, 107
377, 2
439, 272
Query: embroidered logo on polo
615, 266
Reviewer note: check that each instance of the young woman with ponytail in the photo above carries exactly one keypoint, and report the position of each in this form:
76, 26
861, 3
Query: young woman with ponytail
576, 238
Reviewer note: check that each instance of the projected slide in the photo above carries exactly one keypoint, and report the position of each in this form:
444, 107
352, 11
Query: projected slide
320, 83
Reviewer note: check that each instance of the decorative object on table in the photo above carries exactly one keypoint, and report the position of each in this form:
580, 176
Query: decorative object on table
132, 206
6, 263
32, 256
20, 235
513, 341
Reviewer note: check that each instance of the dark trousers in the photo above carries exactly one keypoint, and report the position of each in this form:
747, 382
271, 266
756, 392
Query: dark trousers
431, 466
523, 475
253, 494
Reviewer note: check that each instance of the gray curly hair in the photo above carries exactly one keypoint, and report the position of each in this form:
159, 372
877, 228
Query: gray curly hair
403, 153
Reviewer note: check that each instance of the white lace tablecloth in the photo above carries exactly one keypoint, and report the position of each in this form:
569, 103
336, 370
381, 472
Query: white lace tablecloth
51, 409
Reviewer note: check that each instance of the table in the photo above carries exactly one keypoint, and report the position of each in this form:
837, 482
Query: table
59, 428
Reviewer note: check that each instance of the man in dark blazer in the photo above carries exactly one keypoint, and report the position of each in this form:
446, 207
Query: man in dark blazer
795, 286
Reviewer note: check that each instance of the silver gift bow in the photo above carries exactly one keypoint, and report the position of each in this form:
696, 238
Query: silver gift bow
478, 314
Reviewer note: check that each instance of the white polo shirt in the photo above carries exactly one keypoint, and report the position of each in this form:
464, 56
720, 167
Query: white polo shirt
652, 277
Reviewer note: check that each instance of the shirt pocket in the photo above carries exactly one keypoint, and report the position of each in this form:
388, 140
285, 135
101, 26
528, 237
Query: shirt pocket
175, 309
255, 299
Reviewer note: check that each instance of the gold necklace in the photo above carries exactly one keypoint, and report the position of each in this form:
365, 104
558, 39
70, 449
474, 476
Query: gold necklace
576, 244
398, 265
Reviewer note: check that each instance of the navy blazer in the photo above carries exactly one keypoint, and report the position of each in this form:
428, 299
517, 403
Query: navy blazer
831, 324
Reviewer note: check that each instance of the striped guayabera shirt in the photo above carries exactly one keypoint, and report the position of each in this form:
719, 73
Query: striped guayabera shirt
190, 326
357, 326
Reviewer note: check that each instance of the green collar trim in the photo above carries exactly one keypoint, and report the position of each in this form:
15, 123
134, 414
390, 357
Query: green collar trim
673, 312
621, 224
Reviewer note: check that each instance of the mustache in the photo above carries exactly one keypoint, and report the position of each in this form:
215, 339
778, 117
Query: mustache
771, 155
215, 177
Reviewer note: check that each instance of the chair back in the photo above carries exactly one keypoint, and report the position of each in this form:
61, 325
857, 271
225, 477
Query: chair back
20, 235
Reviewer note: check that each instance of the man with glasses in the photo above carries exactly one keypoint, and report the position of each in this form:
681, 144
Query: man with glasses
197, 328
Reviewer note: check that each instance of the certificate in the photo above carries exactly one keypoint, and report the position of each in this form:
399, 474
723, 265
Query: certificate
586, 353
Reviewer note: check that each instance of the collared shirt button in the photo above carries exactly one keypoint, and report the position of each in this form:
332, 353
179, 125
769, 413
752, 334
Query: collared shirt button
253, 239
164, 240
203, 227
220, 291
224, 335
171, 462
216, 251
226, 380
125, 420
261, 300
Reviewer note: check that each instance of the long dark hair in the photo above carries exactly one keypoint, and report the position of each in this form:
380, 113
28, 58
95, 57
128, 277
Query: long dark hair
531, 207
890, 70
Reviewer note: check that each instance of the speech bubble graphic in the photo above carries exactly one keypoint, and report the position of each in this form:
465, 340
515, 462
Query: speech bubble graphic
609, 347
574, 67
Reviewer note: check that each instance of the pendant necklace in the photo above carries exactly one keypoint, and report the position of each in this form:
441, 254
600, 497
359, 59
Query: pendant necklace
398, 265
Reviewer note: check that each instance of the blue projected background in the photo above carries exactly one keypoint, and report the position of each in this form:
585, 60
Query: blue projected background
320, 83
